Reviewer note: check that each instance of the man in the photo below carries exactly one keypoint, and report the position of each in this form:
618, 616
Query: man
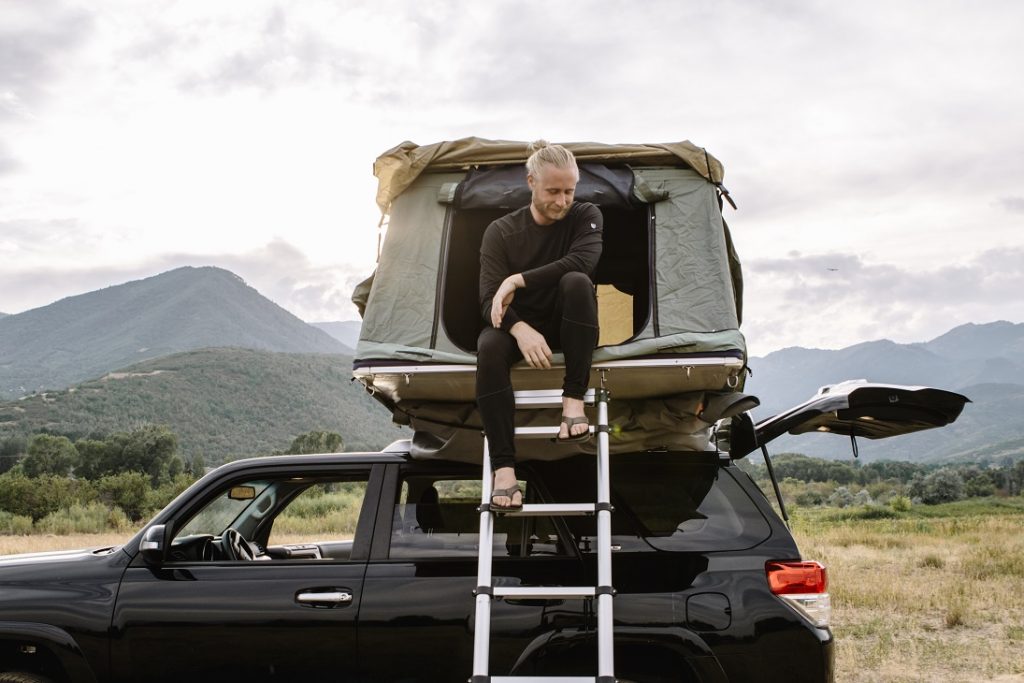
536, 294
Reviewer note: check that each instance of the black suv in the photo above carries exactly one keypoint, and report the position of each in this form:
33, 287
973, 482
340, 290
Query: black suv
362, 566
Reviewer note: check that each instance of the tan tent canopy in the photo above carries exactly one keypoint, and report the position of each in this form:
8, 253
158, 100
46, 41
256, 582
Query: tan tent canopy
397, 168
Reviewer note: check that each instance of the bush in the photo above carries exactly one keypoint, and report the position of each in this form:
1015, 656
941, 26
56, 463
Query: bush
158, 498
900, 504
841, 498
50, 455
94, 518
942, 486
128, 491
863, 498
39, 496
14, 525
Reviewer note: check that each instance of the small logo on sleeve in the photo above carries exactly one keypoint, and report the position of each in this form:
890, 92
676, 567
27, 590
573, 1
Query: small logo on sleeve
593, 226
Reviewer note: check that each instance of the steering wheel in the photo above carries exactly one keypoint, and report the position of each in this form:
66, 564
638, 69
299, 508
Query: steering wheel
235, 546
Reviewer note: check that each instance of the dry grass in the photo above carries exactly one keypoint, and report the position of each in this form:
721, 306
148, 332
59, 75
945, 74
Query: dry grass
38, 543
919, 600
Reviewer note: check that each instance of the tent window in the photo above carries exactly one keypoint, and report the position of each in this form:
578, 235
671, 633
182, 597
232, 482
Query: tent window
623, 274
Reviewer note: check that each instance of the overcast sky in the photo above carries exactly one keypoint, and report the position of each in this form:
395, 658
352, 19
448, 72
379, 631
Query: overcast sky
875, 149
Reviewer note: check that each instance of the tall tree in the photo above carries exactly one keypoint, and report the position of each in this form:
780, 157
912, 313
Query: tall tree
316, 442
50, 455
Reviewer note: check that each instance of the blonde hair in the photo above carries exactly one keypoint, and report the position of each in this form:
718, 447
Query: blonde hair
544, 154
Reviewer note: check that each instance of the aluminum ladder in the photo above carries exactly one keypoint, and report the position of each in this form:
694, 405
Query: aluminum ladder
603, 591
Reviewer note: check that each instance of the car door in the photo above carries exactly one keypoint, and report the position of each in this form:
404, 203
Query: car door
289, 614
416, 620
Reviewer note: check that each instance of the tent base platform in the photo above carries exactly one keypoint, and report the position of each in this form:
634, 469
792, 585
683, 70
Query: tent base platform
634, 378
657, 402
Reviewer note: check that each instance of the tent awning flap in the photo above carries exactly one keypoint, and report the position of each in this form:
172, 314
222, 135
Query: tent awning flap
398, 167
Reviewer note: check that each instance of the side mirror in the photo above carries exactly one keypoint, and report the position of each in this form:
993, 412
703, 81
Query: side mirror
152, 546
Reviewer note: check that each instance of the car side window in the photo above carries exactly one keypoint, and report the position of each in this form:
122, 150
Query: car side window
293, 518
438, 517
322, 516
676, 502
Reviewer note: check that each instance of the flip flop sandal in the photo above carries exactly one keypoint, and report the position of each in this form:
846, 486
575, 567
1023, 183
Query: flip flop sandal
508, 493
575, 438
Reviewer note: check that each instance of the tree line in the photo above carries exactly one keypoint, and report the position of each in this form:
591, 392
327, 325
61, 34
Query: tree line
49, 481
815, 481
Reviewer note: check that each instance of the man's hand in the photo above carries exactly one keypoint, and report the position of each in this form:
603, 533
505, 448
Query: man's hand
533, 345
503, 297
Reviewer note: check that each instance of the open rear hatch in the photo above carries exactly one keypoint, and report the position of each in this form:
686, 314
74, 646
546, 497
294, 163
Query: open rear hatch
854, 408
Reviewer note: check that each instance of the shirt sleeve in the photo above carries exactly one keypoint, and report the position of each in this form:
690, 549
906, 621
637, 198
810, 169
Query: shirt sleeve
582, 256
494, 268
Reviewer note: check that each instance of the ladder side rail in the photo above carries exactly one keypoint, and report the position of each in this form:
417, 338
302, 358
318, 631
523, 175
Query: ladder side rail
605, 619
482, 624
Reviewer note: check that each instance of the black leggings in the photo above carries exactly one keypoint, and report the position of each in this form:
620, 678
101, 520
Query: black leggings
572, 328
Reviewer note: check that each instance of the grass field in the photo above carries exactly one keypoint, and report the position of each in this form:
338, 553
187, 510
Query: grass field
931, 595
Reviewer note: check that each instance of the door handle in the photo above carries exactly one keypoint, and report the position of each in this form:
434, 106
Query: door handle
322, 597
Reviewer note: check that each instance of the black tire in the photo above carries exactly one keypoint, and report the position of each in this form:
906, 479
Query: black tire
22, 677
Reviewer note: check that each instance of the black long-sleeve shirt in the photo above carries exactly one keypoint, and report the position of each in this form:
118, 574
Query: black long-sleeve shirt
515, 243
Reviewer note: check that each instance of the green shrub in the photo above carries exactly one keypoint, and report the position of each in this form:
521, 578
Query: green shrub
39, 496
128, 491
158, 498
14, 525
94, 518
864, 512
900, 504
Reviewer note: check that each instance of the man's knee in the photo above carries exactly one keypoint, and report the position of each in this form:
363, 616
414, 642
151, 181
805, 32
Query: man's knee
577, 294
492, 347
576, 283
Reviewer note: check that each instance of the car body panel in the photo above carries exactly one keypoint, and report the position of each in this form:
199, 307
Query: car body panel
684, 610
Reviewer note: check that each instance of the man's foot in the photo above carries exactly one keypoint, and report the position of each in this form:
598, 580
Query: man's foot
512, 493
506, 494
575, 426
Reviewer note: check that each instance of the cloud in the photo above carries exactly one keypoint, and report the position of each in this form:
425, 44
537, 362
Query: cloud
832, 300
37, 40
1012, 204
277, 270
8, 164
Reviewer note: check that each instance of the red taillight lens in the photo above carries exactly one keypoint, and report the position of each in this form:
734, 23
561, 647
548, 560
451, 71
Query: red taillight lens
790, 578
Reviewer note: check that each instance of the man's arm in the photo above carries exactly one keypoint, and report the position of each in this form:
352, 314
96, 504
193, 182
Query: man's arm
582, 256
494, 271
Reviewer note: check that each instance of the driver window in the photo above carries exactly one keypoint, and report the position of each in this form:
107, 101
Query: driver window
295, 518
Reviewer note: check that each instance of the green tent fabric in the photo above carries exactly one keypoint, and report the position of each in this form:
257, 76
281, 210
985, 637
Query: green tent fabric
420, 307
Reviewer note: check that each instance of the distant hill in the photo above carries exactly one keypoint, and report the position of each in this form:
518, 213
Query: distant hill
85, 336
222, 403
983, 362
345, 331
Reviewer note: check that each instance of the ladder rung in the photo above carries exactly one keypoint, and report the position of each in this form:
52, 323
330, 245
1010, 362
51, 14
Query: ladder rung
547, 398
542, 679
553, 510
541, 432
544, 592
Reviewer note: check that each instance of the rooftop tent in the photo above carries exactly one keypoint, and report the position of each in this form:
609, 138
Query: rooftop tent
669, 286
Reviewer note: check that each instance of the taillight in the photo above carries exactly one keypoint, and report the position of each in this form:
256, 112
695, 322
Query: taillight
802, 585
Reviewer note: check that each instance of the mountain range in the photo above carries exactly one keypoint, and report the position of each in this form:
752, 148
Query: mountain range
222, 403
235, 373
83, 337
345, 331
983, 362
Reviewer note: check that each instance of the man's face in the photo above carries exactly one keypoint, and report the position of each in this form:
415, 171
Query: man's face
553, 189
